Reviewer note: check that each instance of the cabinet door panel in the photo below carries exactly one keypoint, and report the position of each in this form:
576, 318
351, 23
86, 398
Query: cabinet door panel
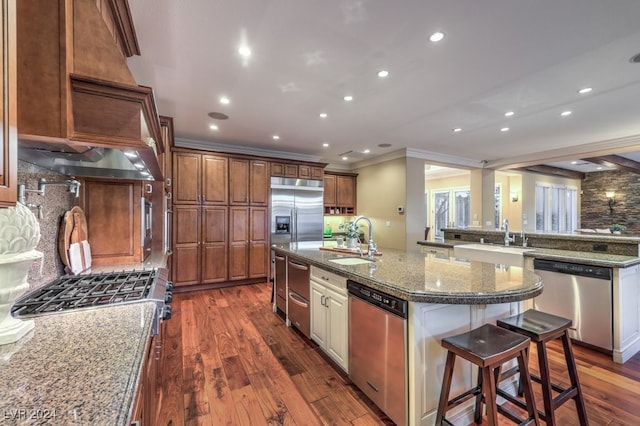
185, 265
259, 183
238, 225
239, 181
238, 258
214, 225
317, 173
258, 226
346, 191
215, 184
8, 108
329, 190
214, 263
318, 314
258, 259
186, 229
186, 174
337, 333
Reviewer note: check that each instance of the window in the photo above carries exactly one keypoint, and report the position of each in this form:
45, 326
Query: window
556, 208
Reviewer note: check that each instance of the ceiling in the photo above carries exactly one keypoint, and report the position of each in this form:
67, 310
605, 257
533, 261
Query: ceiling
528, 57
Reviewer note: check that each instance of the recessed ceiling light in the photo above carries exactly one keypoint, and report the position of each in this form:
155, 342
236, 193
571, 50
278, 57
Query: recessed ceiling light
509, 113
345, 158
366, 151
244, 51
437, 36
323, 115
504, 129
275, 137
598, 168
383, 73
574, 162
326, 145
585, 90
348, 98
565, 113
213, 127
384, 145
224, 100
457, 129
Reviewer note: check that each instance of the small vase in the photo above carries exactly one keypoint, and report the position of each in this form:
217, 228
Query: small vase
352, 243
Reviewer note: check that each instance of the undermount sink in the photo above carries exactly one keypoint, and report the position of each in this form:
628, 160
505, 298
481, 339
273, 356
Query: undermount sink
506, 255
350, 260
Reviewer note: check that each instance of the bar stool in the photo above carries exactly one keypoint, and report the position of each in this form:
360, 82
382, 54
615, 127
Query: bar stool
488, 347
541, 328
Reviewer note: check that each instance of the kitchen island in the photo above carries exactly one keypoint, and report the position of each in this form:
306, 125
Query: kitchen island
446, 296
77, 367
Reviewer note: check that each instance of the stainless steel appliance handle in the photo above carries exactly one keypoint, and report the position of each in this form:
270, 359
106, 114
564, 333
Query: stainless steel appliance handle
298, 300
294, 216
299, 266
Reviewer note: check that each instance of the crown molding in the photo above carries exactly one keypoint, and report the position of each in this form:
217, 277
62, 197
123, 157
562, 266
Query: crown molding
220, 147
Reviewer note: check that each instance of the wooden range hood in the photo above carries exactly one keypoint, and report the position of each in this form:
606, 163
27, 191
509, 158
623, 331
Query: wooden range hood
79, 106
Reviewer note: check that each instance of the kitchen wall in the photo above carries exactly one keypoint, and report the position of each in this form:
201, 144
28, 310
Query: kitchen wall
54, 204
381, 189
594, 205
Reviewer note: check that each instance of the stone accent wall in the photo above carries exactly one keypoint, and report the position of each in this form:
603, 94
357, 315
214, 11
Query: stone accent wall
594, 205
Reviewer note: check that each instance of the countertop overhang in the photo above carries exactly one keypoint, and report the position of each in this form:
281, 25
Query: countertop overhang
425, 277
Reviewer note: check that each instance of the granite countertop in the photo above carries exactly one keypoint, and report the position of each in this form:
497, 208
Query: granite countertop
587, 258
77, 367
426, 277
156, 259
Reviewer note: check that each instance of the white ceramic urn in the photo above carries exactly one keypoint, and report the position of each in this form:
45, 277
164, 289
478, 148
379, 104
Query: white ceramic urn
19, 235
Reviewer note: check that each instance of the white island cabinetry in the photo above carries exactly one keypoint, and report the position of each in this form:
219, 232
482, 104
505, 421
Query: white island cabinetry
428, 324
626, 313
329, 315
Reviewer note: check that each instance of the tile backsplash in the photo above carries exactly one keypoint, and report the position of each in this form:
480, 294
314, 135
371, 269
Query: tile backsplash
55, 203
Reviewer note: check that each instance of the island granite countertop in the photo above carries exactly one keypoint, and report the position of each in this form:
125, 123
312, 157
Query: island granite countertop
425, 277
76, 367
606, 260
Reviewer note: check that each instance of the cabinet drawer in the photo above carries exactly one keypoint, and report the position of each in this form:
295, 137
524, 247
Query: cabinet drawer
327, 277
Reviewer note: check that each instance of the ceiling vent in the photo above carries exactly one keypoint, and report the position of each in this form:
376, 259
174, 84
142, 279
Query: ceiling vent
354, 154
635, 59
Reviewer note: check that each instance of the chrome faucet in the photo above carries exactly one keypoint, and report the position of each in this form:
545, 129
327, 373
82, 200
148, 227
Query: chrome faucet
524, 238
371, 246
507, 238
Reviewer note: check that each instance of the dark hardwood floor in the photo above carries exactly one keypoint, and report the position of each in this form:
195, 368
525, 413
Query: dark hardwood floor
229, 360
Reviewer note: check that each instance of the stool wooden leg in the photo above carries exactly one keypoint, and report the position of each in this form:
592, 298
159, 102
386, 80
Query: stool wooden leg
545, 381
446, 387
477, 417
573, 377
527, 388
489, 391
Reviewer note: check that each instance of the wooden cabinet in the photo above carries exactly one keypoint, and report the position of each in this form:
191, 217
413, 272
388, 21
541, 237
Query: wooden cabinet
8, 109
113, 210
146, 404
248, 182
340, 193
200, 179
302, 171
330, 314
200, 244
248, 242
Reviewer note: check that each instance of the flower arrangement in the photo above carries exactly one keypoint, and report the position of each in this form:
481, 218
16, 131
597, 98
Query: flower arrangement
617, 228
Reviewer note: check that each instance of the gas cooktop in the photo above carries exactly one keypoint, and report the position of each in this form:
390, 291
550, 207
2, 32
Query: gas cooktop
86, 291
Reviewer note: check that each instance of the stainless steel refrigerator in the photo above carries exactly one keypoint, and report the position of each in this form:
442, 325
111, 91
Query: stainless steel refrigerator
297, 209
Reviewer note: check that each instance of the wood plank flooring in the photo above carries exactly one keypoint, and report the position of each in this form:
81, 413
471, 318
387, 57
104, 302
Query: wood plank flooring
229, 360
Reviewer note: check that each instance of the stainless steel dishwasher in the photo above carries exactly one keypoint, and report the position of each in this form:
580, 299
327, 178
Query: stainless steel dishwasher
582, 293
377, 355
